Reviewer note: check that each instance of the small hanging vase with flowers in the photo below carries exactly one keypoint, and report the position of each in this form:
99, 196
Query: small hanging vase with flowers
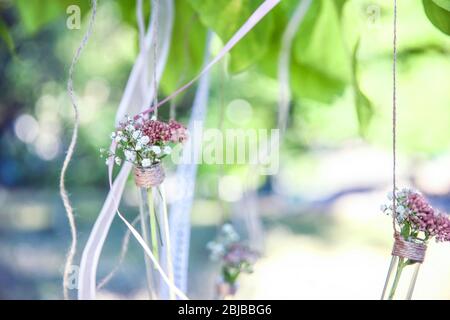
235, 258
144, 143
418, 223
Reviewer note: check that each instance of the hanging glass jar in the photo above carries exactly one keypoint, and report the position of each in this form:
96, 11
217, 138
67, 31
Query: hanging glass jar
225, 290
407, 257
154, 224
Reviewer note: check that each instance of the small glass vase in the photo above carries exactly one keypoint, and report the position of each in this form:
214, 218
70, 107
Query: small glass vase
225, 290
407, 257
154, 225
145, 219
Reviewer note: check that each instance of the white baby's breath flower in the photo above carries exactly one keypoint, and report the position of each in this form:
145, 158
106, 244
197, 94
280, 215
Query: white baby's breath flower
167, 150
130, 128
230, 233
136, 134
216, 249
138, 147
118, 161
144, 140
156, 149
113, 135
130, 155
119, 137
146, 163
227, 228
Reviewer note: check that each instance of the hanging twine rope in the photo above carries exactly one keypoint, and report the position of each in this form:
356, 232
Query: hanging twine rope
402, 248
155, 52
394, 122
62, 185
152, 176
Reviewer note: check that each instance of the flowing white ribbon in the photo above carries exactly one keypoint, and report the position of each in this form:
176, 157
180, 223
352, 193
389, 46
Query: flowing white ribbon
180, 226
287, 39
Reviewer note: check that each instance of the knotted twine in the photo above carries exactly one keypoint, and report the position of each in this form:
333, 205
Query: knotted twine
155, 52
62, 185
402, 248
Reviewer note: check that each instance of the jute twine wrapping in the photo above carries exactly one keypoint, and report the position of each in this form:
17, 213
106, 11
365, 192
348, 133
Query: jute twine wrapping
407, 249
148, 177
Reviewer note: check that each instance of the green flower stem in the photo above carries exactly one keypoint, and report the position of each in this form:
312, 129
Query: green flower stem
167, 239
398, 273
153, 227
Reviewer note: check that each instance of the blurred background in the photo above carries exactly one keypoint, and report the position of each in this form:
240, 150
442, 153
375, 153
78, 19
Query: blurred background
324, 234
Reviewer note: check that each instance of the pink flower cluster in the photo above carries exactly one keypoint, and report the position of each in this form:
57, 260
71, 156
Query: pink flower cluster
177, 131
161, 132
426, 219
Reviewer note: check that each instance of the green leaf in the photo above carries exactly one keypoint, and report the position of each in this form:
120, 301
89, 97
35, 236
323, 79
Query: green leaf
308, 77
186, 49
364, 108
438, 12
444, 4
319, 42
340, 6
225, 17
310, 83
406, 229
321, 66
128, 12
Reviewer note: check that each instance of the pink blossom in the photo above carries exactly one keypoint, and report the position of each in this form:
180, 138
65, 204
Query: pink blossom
425, 218
156, 131
238, 253
178, 132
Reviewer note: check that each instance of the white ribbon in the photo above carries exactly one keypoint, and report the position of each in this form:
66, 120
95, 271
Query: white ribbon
179, 219
287, 39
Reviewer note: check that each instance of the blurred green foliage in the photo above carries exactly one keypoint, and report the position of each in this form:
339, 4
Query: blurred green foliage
438, 11
340, 73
